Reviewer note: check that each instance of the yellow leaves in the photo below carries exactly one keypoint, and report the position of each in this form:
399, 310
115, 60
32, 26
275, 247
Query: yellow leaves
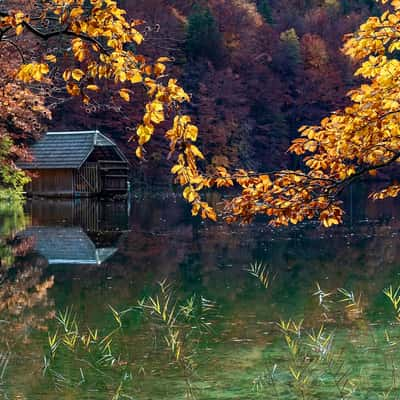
163, 59
182, 130
77, 74
208, 212
120, 76
78, 48
195, 209
32, 72
51, 58
94, 88
159, 69
136, 77
191, 132
176, 92
19, 29
177, 168
154, 113
66, 75
124, 93
144, 132
311, 146
390, 104
394, 47
137, 37
265, 182
331, 216
19, 16
224, 179
190, 194
373, 172
139, 152
328, 222
315, 163
191, 149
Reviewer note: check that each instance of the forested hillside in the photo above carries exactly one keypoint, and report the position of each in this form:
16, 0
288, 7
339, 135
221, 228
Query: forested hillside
256, 70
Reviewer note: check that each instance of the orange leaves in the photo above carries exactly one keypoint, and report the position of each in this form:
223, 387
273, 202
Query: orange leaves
76, 12
346, 144
390, 191
331, 216
73, 89
223, 179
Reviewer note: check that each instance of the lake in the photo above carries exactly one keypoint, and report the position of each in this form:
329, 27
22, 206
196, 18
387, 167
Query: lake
181, 308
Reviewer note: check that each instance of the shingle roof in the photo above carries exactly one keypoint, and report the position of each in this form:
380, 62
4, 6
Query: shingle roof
67, 245
64, 149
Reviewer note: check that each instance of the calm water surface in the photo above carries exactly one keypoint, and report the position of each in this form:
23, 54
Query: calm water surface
88, 255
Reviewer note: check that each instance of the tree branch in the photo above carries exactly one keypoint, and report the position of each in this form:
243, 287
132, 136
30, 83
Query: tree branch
65, 31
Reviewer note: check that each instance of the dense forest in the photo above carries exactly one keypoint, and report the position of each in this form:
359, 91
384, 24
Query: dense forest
256, 71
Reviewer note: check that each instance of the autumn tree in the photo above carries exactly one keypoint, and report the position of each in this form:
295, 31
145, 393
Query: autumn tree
355, 142
203, 38
22, 113
102, 45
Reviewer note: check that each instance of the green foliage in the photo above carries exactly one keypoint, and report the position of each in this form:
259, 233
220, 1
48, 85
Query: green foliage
203, 38
291, 47
350, 5
12, 179
12, 219
264, 9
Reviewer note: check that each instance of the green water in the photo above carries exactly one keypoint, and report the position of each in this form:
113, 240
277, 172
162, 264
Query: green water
88, 255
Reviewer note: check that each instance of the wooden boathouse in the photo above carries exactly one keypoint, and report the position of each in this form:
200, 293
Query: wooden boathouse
76, 164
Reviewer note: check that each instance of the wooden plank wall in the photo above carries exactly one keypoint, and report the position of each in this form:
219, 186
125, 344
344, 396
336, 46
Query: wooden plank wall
86, 179
51, 182
115, 176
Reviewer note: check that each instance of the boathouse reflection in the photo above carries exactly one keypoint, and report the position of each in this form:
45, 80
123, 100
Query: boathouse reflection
80, 231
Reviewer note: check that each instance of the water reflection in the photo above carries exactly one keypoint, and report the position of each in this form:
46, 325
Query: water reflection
75, 232
90, 255
66, 245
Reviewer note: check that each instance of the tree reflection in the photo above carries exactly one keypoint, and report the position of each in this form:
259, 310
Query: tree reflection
12, 219
22, 284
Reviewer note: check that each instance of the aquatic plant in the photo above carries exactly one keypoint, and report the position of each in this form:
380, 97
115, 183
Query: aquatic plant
260, 270
91, 351
176, 320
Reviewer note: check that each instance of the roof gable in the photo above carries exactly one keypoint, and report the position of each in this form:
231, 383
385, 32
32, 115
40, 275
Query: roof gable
58, 150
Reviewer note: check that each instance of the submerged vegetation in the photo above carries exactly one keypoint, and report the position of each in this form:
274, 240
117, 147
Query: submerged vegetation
338, 353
